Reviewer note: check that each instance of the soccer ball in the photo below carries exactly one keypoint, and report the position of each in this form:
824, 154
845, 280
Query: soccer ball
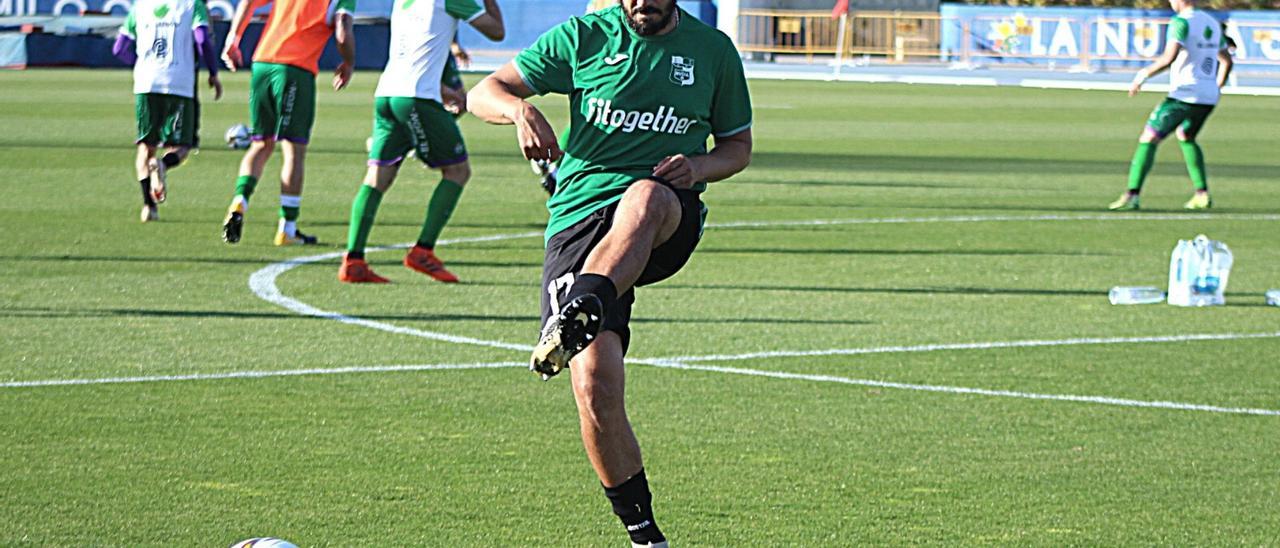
237, 137
263, 542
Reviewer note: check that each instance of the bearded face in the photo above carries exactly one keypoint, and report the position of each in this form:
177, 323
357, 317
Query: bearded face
648, 17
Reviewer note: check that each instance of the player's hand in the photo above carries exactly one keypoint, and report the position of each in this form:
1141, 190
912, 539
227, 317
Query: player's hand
216, 84
454, 102
231, 57
534, 135
342, 75
461, 55
679, 170
1136, 86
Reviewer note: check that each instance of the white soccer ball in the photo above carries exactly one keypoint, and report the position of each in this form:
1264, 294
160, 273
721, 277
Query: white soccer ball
264, 542
237, 137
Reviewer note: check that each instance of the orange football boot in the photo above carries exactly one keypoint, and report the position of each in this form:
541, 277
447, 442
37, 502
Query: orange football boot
425, 261
356, 271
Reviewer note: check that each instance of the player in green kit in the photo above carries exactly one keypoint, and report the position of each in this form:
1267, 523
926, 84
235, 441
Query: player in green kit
161, 39
282, 98
409, 114
1196, 54
647, 85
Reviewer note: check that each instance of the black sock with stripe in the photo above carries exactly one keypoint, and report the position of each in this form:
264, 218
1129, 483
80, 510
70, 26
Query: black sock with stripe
631, 503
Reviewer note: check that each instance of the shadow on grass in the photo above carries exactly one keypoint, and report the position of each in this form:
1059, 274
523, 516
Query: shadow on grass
811, 182
522, 227
283, 315
261, 261
852, 251
157, 259
668, 286
1031, 167
894, 290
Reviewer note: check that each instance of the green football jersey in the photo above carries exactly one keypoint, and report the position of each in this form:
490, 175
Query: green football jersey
1193, 76
633, 100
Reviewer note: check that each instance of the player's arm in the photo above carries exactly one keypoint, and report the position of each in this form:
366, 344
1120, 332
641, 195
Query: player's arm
344, 34
1170, 53
500, 99
1178, 29
204, 45
489, 22
730, 155
239, 21
1224, 66
124, 49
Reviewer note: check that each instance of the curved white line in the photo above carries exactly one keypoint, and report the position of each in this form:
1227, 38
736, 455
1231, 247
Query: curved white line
263, 284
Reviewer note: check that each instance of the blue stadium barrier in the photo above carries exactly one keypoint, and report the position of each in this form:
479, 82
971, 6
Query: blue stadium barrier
1093, 36
526, 20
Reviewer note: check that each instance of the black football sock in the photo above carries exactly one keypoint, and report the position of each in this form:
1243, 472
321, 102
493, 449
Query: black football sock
631, 502
146, 191
171, 159
594, 284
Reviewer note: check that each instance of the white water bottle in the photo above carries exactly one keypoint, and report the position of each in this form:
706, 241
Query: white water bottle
1136, 295
1198, 272
1273, 297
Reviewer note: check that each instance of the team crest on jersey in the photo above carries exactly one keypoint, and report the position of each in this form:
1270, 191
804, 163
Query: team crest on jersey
160, 48
681, 70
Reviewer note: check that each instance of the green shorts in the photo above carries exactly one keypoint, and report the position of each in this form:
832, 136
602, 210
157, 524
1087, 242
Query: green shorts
1172, 115
402, 124
282, 103
166, 119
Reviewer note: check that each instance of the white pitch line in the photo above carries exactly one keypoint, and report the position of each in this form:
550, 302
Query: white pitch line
969, 346
263, 284
262, 374
1103, 400
666, 364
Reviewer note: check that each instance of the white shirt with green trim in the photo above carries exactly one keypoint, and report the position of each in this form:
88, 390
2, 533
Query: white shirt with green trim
164, 37
421, 31
1193, 76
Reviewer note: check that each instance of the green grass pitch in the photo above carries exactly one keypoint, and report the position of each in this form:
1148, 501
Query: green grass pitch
491, 457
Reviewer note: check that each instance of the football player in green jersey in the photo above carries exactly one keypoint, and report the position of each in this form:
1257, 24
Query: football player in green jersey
411, 114
647, 85
1199, 63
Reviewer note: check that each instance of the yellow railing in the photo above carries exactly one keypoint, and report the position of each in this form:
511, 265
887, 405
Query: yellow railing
770, 31
897, 35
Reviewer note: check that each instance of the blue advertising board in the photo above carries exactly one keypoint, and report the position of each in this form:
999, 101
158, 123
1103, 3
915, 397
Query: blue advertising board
526, 19
1090, 36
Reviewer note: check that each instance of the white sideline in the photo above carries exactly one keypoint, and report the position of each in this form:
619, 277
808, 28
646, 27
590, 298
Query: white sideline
977, 391
1033, 343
